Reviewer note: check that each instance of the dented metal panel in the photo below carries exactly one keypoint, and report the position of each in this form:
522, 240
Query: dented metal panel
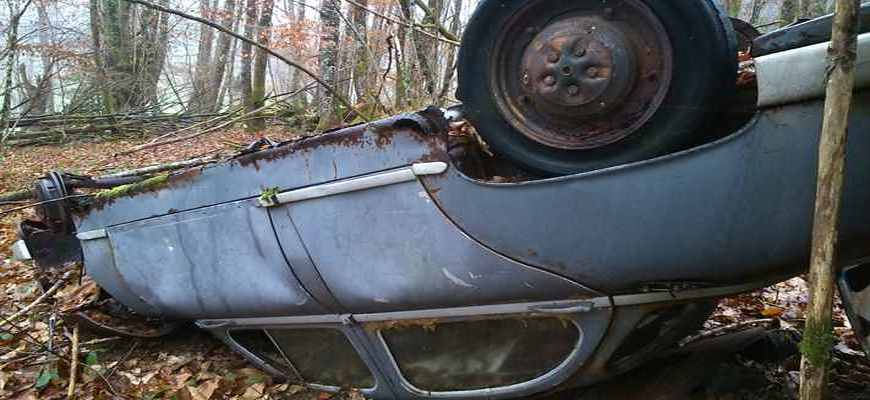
390, 249
219, 261
722, 213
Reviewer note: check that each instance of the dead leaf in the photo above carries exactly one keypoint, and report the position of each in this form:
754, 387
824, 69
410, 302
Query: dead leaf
205, 390
75, 297
772, 311
254, 392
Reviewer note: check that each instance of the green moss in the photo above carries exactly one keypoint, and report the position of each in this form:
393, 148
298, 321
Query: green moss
817, 343
269, 195
149, 184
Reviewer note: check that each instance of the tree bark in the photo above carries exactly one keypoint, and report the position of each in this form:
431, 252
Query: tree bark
328, 60
818, 336
211, 98
247, 52
9, 70
46, 81
202, 72
361, 84
450, 62
261, 60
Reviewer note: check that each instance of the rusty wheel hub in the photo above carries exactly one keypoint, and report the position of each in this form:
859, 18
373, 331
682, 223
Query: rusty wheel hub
585, 77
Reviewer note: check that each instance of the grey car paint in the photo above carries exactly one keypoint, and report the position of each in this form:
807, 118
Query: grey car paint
722, 213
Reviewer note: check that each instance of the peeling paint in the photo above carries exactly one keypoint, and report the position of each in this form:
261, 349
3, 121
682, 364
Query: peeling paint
456, 280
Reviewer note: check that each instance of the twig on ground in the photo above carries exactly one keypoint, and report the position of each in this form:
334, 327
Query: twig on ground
38, 300
73, 363
727, 328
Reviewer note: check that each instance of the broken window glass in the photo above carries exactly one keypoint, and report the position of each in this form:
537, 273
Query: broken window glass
324, 356
257, 342
480, 354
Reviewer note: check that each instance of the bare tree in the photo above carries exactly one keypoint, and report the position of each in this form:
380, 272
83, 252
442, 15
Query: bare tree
258, 88
16, 10
247, 52
211, 97
328, 61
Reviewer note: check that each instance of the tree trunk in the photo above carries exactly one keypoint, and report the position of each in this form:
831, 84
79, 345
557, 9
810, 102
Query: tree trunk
203, 70
361, 84
818, 337
328, 59
247, 52
261, 60
296, 82
450, 62
9, 69
211, 98
46, 81
229, 82
154, 33
95, 14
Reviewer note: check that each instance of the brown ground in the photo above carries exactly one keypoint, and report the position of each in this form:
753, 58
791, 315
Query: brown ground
193, 365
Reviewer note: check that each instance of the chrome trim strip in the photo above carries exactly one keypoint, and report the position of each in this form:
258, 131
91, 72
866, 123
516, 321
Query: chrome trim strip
800, 74
534, 308
690, 294
265, 321
91, 235
551, 307
354, 184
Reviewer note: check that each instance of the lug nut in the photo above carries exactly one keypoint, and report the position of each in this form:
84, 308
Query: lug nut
566, 70
553, 57
592, 72
580, 51
549, 80
573, 90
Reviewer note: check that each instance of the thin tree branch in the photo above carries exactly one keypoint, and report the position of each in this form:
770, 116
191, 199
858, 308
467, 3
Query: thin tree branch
333, 91
416, 27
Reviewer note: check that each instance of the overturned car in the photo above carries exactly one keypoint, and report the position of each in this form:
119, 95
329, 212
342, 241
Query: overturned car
634, 183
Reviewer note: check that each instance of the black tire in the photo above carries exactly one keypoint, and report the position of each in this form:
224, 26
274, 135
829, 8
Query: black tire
704, 65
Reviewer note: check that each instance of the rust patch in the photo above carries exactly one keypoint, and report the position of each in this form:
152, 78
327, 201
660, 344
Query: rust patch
173, 180
428, 324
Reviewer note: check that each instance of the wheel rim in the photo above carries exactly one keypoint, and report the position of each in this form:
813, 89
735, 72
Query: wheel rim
581, 75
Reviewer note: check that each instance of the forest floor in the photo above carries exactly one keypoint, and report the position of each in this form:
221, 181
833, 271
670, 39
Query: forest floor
191, 364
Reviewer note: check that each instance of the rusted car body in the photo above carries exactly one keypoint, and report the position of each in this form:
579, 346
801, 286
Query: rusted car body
371, 257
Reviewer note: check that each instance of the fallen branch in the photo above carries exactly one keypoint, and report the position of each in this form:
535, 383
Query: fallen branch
73, 363
191, 136
40, 299
726, 328
153, 169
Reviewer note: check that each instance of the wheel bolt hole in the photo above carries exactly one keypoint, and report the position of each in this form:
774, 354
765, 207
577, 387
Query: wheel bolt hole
566, 70
592, 72
549, 80
553, 57
573, 90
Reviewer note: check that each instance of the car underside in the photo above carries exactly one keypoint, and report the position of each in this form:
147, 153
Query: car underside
607, 178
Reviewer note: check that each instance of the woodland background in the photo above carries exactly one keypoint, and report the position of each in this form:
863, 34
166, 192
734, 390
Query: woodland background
96, 86
73, 68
